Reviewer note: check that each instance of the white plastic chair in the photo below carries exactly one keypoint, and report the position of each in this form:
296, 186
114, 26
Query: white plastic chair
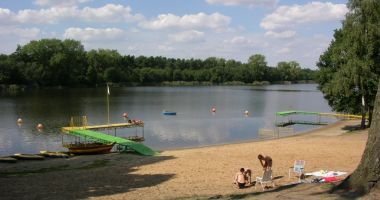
265, 179
298, 168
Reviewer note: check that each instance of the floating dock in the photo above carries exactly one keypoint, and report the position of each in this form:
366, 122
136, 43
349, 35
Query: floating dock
294, 112
293, 122
317, 121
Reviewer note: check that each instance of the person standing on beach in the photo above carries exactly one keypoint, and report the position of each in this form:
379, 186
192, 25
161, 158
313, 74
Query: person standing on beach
265, 161
240, 179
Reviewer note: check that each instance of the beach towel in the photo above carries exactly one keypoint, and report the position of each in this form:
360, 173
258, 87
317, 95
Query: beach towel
330, 179
324, 173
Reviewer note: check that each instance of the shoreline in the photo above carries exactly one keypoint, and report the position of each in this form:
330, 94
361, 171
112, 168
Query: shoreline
186, 173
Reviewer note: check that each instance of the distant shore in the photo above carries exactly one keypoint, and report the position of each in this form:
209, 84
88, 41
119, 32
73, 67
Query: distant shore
185, 173
12, 88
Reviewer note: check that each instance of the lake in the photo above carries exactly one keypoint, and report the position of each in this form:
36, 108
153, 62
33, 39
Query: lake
193, 126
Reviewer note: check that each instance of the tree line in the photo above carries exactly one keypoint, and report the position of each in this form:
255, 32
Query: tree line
54, 62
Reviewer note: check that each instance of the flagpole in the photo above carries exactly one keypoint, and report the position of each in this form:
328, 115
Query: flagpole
108, 105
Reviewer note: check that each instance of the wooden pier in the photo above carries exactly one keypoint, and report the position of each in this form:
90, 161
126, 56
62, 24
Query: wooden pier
103, 126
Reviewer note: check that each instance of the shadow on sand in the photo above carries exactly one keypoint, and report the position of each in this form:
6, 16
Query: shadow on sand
111, 174
255, 194
351, 128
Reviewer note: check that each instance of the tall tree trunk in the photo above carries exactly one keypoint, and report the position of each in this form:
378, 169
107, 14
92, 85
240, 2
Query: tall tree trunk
367, 174
370, 115
362, 124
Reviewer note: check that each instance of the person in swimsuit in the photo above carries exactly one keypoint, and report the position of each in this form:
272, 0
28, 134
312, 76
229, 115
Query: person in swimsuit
240, 179
265, 161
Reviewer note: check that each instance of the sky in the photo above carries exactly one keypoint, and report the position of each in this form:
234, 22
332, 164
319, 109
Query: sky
281, 30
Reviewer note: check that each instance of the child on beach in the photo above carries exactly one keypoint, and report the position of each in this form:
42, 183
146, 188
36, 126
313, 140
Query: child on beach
247, 175
242, 178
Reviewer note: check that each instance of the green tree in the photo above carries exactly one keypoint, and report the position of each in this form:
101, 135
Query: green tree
98, 61
50, 62
53, 62
290, 71
112, 75
259, 67
349, 69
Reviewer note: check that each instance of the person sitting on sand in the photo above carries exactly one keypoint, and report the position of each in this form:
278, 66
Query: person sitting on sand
247, 176
265, 161
240, 179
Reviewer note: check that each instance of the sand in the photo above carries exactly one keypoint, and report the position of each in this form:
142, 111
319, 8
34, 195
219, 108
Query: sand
187, 173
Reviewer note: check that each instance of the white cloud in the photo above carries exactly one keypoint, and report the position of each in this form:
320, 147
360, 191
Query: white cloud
250, 3
187, 36
109, 13
42, 16
23, 33
285, 17
283, 50
238, 40
92, 34
200, 20
281, 34
243, 41
5, 16
59, 2
163, 47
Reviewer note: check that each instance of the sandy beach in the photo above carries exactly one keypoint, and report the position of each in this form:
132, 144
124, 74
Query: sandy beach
188, 173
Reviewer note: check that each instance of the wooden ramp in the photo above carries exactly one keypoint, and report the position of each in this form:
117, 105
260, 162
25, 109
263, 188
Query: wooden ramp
138, 147
102, 126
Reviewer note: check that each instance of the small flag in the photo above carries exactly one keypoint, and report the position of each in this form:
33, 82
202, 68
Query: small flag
108, 90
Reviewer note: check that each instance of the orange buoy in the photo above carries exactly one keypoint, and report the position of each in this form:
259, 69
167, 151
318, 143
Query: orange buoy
40, 126
125, 115
19, 120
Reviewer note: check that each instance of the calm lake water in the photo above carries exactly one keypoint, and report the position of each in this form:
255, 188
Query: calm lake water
193, 126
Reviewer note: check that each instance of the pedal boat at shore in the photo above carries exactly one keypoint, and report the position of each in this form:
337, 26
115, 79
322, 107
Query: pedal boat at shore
51, 154
22, 156
7, 159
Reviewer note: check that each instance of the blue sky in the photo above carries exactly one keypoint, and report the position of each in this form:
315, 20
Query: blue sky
232, 29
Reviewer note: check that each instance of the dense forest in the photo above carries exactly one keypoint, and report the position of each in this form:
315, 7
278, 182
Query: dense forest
53, 62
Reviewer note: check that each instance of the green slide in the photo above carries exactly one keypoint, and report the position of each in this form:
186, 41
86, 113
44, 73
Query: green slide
138, 147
